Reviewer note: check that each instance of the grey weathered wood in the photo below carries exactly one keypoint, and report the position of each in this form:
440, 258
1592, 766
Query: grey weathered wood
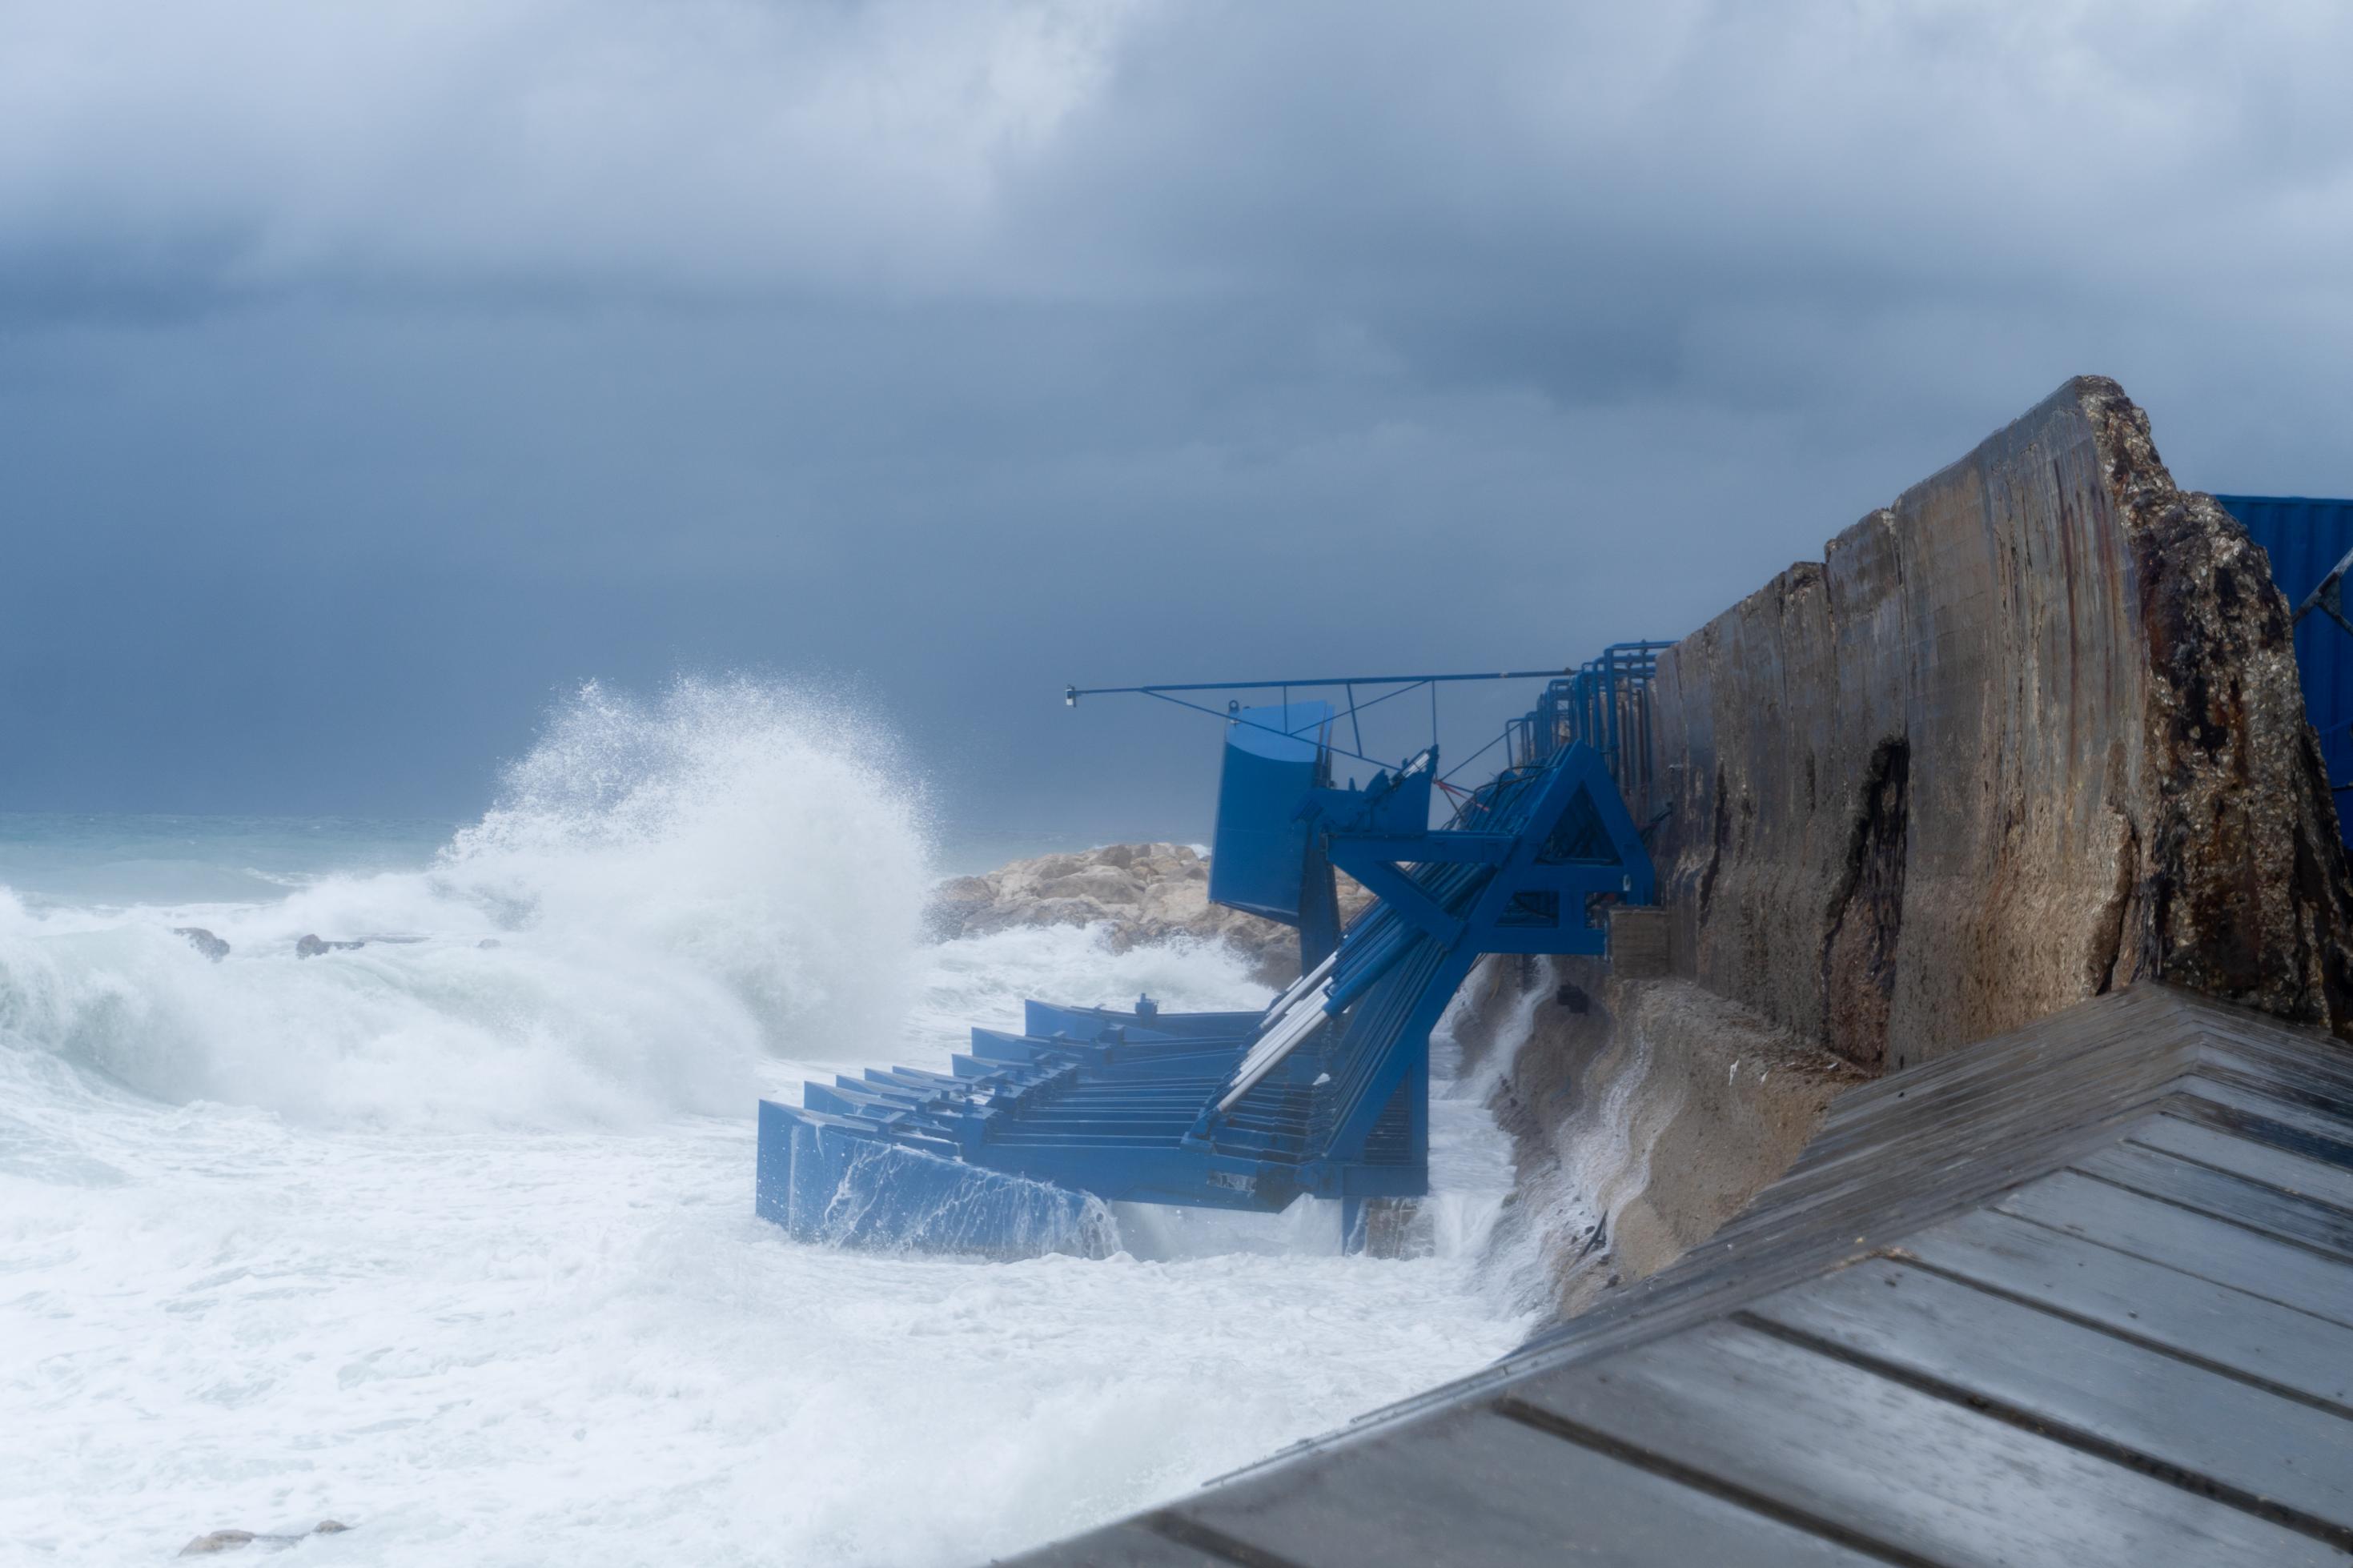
1116, 1546
2322, 1081
2208, 1248
1473, 1490
2255, 1126
2149, 1016
1926, 1476
2123, 1231
2124, 1044
2228, 1327
1638, 942
1960, 1111
2082, 1378
2278, 1168
2223, 1196
2301, 1120
1947, 1138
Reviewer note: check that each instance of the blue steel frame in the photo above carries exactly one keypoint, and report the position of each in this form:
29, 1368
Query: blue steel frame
1605, 703
1007, 1151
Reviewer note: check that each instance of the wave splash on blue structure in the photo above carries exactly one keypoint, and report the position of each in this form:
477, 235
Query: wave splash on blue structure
890, 1197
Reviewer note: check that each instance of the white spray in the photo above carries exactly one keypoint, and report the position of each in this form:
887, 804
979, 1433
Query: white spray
665, 892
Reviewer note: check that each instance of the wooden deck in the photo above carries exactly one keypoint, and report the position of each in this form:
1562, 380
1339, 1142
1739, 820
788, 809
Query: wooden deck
2080, 1295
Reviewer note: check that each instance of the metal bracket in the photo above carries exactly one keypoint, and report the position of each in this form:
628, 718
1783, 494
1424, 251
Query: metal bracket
2327, 595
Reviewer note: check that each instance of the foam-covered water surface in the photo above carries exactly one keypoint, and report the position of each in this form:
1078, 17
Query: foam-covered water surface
450, 1237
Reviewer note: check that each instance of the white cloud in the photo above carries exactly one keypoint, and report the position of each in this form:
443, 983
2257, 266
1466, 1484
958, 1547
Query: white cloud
704, 142
1124, 147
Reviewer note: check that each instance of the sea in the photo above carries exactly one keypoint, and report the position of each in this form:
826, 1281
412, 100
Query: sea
448, 1236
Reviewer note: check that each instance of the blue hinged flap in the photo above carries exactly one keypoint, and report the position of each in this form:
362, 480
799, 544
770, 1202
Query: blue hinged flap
1273, 757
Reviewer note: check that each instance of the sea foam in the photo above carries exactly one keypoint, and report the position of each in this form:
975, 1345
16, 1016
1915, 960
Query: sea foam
437, 1238
666, 893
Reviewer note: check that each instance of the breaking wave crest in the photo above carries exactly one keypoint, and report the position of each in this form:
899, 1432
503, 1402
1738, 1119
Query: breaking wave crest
665, 891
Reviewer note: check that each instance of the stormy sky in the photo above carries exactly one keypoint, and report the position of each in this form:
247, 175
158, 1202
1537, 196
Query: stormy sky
371, 374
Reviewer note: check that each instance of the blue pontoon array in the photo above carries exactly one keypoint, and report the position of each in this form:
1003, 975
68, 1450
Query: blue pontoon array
1325, 1092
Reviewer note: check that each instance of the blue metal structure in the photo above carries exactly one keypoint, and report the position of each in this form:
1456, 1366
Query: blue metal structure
1324, 1092
2308, 542
1264, 859
1605, 703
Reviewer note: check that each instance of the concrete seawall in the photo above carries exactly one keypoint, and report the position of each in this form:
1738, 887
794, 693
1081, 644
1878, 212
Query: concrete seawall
2029, 734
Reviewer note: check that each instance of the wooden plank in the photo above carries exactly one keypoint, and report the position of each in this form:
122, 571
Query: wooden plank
2321, 1074
1119, 1546
2228, 1090
1780, 1243
2225, 1196
2143, 1016
1915, 1146
1933, 1479
2257, 1161
2236, 1022
2256, 1124
1473, 1490
1940, 1170
2184, 1417
2293, 1085
2229, 1328
1638, 942
2125, 1048
1923, 1158
1975, 1124
2014, 1096
2211, 1249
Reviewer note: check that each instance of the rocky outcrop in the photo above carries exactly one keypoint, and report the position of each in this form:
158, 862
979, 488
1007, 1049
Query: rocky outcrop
237, 1540
1139, 893
2031, 733
213, 947
316, 946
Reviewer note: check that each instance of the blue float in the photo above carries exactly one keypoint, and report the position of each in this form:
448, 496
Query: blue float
1018, 1147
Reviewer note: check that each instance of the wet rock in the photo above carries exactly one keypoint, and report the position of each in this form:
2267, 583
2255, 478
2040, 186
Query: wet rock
1141, 892
956, 902
221, 1541
203, 942
237, 1540
1640, 1119
313, 945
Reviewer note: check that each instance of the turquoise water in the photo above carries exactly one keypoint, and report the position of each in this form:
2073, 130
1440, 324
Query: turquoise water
54, 857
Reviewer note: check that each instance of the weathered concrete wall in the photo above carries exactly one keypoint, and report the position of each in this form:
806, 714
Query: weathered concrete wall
2033, 733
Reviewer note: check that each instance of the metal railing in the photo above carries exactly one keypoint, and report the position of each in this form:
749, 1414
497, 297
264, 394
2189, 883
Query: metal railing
1606, 703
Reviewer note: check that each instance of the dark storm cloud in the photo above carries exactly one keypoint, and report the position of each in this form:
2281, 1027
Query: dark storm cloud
367, 375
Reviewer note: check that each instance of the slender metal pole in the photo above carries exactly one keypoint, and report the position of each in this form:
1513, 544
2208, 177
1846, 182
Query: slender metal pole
1077, 691
1231, 716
